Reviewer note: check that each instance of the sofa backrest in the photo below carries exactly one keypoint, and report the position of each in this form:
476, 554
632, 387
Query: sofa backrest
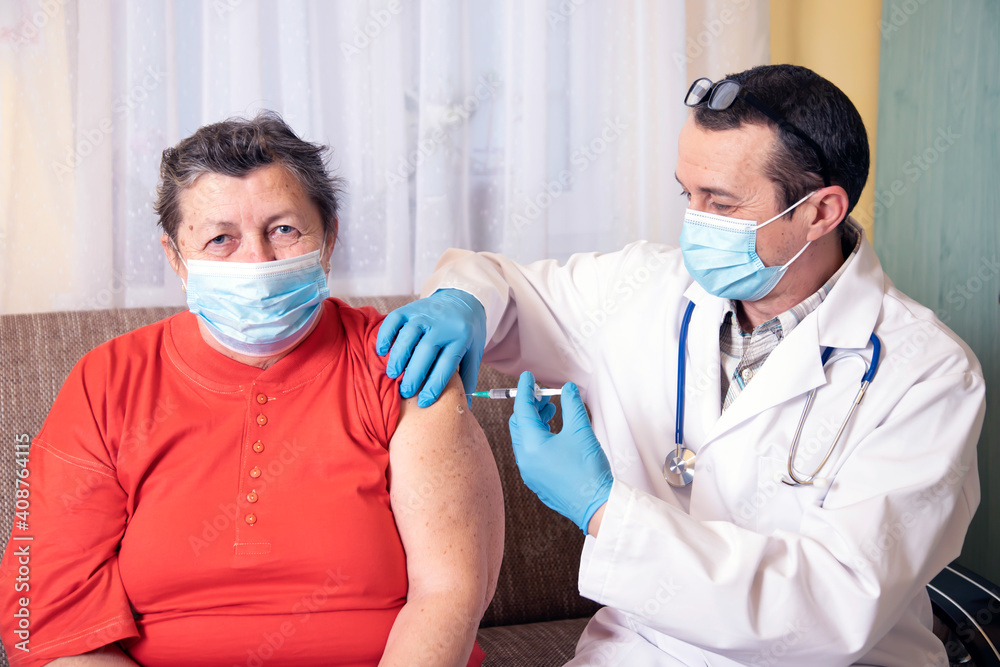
541, 554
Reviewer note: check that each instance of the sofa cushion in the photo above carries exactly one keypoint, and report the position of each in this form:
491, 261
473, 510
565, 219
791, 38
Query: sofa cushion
536, 644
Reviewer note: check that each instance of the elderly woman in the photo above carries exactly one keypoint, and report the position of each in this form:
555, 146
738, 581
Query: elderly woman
256, 491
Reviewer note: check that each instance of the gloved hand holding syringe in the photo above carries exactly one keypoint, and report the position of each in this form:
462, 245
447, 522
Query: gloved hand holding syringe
511, 392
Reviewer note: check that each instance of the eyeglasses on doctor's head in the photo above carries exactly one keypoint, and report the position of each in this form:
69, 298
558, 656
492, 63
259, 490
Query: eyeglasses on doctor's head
720, 96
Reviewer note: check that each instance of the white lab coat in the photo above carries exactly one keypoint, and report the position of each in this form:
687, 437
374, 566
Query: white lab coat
739, 568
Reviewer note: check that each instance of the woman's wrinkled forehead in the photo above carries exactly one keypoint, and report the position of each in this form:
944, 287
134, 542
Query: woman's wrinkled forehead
256, 198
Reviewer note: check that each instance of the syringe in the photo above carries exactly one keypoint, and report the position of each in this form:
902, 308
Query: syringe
512, 392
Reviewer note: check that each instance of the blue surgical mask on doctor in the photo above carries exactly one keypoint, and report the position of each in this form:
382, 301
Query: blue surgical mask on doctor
720, 253
257, 308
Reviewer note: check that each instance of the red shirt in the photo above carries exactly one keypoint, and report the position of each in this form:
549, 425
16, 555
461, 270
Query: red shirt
206, 512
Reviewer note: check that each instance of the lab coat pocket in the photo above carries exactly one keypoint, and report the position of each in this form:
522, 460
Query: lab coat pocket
776, 505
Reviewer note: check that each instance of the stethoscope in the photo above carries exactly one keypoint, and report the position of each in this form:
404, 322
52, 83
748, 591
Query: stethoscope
678, 468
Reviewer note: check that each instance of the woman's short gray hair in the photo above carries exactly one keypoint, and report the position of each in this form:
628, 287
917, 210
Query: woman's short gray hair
237, 146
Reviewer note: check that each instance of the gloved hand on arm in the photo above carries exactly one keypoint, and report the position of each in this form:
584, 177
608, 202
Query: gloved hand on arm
568, 471
429, 339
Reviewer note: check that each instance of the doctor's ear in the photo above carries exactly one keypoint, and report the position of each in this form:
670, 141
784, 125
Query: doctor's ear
830, 205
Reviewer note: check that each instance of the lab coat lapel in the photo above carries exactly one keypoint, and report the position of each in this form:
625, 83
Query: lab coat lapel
793, 368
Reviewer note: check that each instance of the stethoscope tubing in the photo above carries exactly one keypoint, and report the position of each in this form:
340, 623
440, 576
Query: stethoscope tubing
825, 357
865, 381
681, 365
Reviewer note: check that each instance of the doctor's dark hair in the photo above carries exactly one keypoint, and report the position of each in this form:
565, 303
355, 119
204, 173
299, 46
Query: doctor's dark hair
818, 108
236, 147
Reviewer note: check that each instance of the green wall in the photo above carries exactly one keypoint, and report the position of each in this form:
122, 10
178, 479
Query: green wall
937, 181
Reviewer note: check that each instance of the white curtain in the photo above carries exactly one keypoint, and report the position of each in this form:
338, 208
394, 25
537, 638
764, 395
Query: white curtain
536, 128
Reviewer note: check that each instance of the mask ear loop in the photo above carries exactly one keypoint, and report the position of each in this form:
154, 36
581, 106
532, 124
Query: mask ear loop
787, 209
808, 243
181, 258
789, 262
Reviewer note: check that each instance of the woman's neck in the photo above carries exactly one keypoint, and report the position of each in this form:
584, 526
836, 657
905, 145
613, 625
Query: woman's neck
262, 363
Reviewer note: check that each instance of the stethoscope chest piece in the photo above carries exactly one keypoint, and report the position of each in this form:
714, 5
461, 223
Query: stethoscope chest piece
678, 468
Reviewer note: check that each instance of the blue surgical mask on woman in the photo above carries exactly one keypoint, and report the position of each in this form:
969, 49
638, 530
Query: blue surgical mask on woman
720, 253
257, 308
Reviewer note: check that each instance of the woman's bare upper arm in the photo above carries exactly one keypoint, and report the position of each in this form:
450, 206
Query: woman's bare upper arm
446, 497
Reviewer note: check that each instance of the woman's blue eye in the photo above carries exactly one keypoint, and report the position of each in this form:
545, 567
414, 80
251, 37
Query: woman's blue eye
284, 229
219, 240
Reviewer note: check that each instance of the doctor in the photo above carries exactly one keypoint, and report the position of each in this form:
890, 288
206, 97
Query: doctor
791, 544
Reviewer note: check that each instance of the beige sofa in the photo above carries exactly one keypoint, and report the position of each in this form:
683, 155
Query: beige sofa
536, 615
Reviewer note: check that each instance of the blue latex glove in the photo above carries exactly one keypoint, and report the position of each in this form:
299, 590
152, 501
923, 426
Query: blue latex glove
568, 471
446, 331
